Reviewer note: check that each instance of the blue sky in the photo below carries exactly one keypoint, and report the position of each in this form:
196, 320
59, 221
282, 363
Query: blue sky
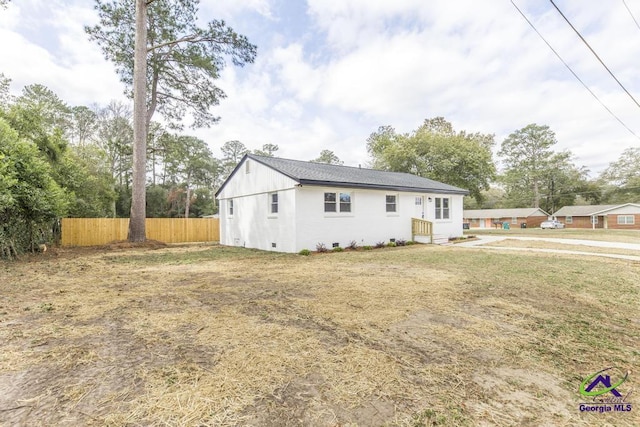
330, 72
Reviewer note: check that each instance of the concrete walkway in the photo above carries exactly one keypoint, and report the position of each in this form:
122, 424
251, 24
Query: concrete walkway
483, 240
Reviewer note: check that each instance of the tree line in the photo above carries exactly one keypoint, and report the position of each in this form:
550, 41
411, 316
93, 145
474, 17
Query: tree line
58, 160
528, 172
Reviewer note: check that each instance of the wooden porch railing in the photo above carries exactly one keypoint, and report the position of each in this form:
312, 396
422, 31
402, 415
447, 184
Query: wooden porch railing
420, 227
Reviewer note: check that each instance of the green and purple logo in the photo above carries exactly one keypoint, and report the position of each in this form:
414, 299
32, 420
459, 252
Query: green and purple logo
602, 389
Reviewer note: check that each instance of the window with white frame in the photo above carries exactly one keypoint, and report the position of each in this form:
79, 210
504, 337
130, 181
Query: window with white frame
337, 202
442, 207
418, 200
514, 220
568, 219
273, 203
330, 204
230, 207
345, 202
594, 219
391, 203
626, 219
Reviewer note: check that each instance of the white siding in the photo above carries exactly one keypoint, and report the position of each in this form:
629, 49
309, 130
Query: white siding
260, 179
252, 225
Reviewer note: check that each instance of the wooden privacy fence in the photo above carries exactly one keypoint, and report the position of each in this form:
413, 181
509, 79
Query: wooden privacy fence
100, 231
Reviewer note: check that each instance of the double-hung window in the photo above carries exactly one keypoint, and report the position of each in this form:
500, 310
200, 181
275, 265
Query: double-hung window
442, 207
273, 203
391, 203
337, 202
230, 207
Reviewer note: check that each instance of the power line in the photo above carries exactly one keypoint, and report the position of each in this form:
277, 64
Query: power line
630, 13
572, 72
594, 53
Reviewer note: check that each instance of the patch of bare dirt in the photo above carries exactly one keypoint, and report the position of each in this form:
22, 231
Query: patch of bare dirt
125, 244
207, 335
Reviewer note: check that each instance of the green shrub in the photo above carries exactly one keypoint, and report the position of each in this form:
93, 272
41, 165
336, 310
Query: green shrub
367, 248
391, 244
338, 249
305, 252
410, 242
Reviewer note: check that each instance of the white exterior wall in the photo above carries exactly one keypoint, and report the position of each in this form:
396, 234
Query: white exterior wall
252, 225
301, 222
368, 222
451, 227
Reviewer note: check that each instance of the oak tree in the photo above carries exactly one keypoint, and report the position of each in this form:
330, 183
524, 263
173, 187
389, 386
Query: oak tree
436, 151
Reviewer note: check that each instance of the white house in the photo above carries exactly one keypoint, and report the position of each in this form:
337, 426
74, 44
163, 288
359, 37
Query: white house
288, 205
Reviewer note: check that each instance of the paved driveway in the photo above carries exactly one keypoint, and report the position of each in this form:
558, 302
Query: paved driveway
483, 240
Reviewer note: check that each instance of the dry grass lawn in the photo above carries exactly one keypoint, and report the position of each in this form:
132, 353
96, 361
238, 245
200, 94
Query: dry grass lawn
541, 244
413, 336
610, 235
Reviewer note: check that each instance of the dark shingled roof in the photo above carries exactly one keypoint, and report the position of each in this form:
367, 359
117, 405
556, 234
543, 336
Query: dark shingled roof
310, 173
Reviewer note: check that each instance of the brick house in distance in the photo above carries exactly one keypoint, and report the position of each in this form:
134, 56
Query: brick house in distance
623, 217
487, 218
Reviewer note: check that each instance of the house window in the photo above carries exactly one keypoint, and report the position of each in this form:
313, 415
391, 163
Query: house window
594, 219
626, 219
345, 202
230, 207
337, 202
568, 220
273, 203
514, 220
330, 202
391, 203
419, 201
442, 208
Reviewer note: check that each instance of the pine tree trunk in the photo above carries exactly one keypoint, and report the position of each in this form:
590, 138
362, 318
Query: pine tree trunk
137, 231
187, 205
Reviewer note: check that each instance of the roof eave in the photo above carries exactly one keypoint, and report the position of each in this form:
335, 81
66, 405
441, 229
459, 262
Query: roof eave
319, 183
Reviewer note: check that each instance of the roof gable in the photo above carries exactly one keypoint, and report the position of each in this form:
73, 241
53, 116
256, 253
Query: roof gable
309, 173
583, 210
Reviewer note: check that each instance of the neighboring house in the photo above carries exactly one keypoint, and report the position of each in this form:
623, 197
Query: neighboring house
487, 218
623, 216
288, 205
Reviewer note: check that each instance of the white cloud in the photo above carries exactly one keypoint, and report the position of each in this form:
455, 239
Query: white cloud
226, 9
75, 70
359, 64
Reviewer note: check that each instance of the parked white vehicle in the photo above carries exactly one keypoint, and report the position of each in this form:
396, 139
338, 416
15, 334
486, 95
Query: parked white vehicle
551, 224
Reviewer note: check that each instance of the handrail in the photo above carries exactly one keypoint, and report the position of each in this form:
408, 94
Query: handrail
421, 227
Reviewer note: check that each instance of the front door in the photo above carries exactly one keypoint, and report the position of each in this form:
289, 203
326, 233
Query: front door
419, 207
